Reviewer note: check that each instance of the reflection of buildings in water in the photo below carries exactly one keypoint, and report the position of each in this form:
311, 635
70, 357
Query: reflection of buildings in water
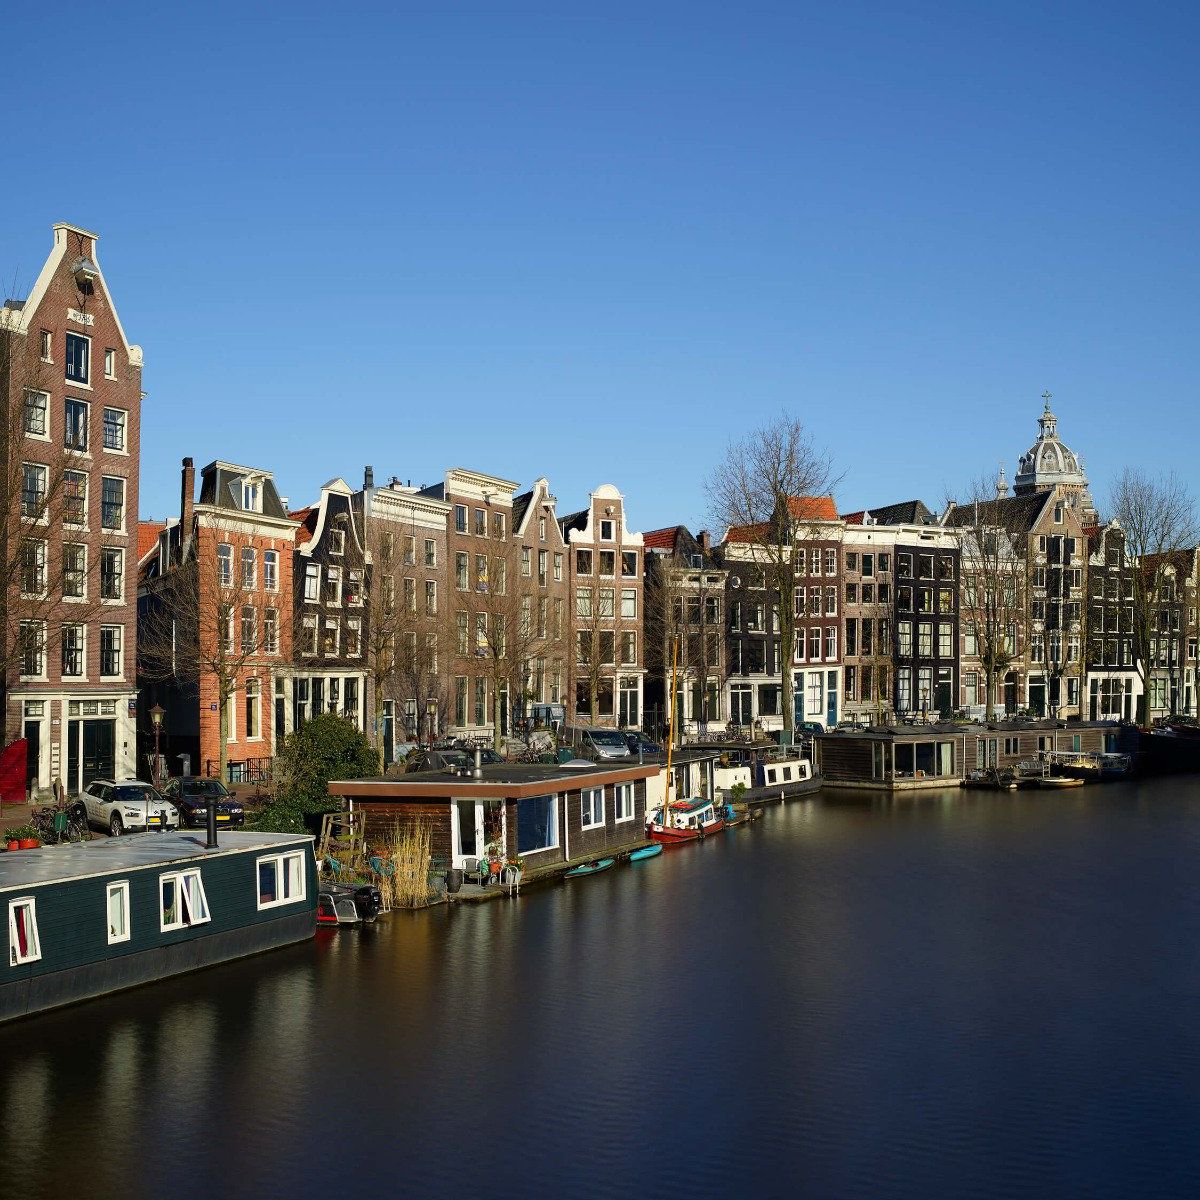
27, 1111
120, 1076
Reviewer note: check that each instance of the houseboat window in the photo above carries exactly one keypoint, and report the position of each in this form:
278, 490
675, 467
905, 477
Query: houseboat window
280, 879
592, 807
118, 912
623, 802
537, 824
183, 900
23, 943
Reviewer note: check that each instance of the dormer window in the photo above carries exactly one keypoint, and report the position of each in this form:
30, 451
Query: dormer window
337, 541
606, 530
251, 496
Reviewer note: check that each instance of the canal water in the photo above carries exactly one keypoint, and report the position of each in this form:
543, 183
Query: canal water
969, 994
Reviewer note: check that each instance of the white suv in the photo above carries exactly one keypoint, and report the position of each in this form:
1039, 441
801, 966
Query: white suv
127, 807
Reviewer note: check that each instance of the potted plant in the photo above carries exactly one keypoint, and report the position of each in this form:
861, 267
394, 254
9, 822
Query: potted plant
25, 837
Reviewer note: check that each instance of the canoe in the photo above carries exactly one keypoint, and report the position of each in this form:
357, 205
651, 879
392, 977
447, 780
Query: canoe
590, 868
646, 852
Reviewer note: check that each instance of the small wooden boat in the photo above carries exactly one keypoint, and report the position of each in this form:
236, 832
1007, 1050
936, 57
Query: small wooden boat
646, 852
590, 868
1058, 781
686, 821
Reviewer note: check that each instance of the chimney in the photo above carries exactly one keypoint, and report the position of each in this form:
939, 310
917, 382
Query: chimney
368, 478
187, 493
705, 540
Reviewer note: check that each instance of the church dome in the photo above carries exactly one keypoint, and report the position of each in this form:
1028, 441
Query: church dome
1048, 463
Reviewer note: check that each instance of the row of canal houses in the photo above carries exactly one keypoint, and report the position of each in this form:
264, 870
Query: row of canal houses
472, 604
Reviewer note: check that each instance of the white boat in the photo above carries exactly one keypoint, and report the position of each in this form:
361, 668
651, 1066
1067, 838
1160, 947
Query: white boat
765, 773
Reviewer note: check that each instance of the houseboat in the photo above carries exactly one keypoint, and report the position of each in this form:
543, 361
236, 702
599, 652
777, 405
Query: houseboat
764, 773
91, 918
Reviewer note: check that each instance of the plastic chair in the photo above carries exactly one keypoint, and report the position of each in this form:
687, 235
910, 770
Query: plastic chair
332, 865
381, 867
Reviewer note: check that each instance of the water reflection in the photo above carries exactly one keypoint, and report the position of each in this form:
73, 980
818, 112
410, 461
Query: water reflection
958, 994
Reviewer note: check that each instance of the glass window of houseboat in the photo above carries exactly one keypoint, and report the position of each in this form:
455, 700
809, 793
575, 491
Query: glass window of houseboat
592, 807
182, 899
537, 824
623, 802
281, 879
23, 942
118, 912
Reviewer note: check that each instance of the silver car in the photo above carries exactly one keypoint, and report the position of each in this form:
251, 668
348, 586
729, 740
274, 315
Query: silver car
128, 807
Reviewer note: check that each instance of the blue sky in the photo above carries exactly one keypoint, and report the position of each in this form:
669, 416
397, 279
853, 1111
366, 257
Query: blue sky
594, 242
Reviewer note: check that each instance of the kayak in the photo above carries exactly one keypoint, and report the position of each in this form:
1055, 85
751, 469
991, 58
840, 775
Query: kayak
646, 852
590, 868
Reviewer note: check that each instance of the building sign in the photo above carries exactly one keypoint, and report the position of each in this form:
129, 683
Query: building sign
80, 318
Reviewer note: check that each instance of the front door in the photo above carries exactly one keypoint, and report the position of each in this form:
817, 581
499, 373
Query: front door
99, 741
33, 753
466, 830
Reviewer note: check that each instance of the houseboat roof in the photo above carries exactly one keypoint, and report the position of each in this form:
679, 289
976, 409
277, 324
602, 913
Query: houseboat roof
502, 780
690, 804
82, 860
943, 729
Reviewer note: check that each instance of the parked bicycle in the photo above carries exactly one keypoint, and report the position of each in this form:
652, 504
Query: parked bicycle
56, 824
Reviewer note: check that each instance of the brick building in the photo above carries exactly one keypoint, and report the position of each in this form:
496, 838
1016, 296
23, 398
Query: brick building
71, 382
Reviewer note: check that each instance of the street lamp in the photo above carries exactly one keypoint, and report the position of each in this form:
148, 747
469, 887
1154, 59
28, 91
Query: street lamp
156, 716
431, 715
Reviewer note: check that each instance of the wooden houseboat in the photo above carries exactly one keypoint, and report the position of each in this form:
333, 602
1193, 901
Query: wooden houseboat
546, 815
94, 917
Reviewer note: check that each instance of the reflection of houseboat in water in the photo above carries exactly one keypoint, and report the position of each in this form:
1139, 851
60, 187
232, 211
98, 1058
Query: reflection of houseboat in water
765, 772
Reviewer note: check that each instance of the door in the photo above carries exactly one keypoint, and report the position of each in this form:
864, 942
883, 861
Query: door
466, 820
99, 741
33, 753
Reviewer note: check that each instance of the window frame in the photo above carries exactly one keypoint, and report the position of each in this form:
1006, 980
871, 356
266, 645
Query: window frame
33, 938
278, 861
182, 901
106, 504
122, 886
624, 792
42, 435
83, 380
586, 809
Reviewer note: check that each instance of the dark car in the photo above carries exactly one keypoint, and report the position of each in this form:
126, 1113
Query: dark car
639, 743
191, 794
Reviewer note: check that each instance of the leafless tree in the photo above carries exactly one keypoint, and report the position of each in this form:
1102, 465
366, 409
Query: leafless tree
994, 568
760, 488
205, 620
1158, 517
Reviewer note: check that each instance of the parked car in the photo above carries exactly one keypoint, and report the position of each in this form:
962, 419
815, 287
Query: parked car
598, 744
192, 794
808, 728
127, 807
639, 743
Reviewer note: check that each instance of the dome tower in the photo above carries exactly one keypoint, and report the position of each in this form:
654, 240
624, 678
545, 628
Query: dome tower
1049, 464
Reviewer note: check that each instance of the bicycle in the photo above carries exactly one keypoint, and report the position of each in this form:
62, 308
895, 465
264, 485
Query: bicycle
56, 825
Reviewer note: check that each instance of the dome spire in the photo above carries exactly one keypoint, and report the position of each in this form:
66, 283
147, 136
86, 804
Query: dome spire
1001, 484
1048, 422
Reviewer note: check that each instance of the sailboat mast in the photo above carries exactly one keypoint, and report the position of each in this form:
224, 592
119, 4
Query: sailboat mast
670, 731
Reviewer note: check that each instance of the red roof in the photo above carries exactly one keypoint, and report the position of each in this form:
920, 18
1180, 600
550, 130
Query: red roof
801, 508
308, 523
854, 518
148, 532
661, 539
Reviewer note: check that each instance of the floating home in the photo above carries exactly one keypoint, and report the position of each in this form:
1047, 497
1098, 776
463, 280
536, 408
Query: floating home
693, 773
547, 814
95, 917
904, 758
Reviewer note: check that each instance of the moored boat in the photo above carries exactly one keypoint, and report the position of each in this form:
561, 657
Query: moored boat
589, 868
763, 772
645, 852
685, 821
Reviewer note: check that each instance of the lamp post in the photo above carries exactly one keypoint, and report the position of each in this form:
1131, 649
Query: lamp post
431, 716
156, 716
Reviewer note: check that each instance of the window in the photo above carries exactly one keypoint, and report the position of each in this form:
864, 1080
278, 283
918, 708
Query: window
253, 699
249, 628
904, 639
883, 564
118, 912
251, 496
543, 566
114, 429
33, 490
33, 567
607, 530
558, 567
431, 596
225, 625
462, 571
480, 707
430, 553
830, 562
460, 518
628, 649
481, 573
33, 649
110, 650
312, 582
23, 943
270, 631
583, 562
308, 635
281, 879
353, 637
831, 594
249, 568
271, 570
851, 561
333, 585
110, 364
925, 639
354, 587
802, 560
72, 651
629, 603
182, 901
608, 563
852, 593
814, 643
75, 498
498, 526
629, 564
830, 643
606, 597
36, 406
337, 543
623, 802
112, 503
868, 593
46, 345
592, 807
583, 602
868, 566
79, 350
480, 523
330, 637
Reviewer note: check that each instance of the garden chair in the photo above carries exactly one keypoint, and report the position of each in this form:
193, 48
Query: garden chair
381, 866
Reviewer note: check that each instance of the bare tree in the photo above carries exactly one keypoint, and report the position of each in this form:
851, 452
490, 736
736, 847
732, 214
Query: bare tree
206, 619
1158, 517
763, 489
994, 568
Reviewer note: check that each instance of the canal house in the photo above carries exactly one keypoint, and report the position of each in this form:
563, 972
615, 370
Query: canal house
544, 814
95, 917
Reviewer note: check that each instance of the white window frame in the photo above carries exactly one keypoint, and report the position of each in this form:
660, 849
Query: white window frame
623, 794
71, 380
110, 364
312, 575
271, 570
337, 542
121, 886
16, 959
279, 861
119, 673
119, 598
26, 407
120, 528
224, 565
183, 901
587, 807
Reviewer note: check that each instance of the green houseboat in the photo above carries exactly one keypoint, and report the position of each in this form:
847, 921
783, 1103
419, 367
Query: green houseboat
87, 919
